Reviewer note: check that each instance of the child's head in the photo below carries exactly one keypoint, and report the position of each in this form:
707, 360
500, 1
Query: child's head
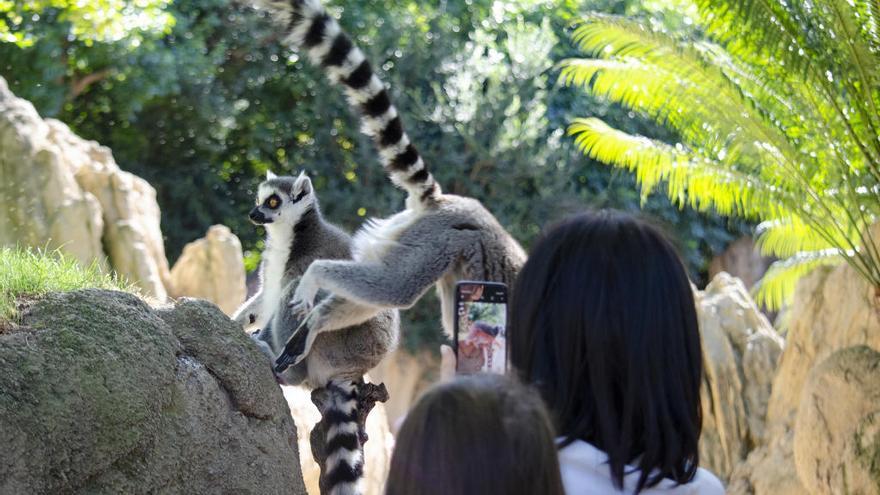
603, 323
477, 434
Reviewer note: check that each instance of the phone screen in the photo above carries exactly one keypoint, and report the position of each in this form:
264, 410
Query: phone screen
481, 327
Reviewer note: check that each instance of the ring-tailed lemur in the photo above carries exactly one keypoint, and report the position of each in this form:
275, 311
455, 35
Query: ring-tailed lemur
437, 240
297, 235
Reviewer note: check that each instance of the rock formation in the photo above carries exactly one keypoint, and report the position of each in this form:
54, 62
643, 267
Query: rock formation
743, 260
837, 431
58, 190
833, 308
741, 350
99, 393
212, 268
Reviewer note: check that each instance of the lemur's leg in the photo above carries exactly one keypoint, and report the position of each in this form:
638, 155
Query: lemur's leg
398, 281
334, 313
249, 312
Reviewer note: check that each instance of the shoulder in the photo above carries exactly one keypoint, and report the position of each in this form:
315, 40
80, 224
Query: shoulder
584, 469
706, 483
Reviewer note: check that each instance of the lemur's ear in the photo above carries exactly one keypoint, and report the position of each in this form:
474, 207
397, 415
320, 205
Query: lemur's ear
302, 185
270, 175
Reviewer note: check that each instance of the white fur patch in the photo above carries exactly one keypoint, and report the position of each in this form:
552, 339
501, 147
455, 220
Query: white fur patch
348, 488
275, 257
388, 153
352, 61
350, 457
318, 52
359, 96
373, 126
342, 428
377, 236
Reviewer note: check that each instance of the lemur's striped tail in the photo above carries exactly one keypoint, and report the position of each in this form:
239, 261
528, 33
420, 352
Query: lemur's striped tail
311, 29
342, 457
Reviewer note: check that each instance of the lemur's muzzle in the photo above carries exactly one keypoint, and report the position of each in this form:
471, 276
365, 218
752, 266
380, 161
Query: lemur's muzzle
258, 217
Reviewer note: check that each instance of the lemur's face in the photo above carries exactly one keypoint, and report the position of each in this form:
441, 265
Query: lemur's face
282, 200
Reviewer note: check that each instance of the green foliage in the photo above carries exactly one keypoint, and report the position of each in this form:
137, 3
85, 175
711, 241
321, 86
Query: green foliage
774, 107
32, 273
102, 21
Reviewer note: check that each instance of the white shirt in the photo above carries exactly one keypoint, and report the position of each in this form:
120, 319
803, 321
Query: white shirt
585, 470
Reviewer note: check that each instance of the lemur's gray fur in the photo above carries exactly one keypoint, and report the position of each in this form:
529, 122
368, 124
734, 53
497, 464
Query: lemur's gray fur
437, 240
298, 235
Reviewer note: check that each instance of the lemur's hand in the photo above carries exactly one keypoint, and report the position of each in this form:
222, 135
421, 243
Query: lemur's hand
303, 299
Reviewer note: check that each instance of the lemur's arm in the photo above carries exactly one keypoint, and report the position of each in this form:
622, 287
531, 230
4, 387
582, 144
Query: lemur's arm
249, 312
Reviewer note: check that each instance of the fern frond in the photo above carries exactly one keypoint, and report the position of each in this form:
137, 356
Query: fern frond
691, 87
690, 179
787, 237
872, 26
757, 30
776, 287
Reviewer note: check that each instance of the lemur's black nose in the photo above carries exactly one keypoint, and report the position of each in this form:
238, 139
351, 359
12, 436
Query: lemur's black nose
257, 216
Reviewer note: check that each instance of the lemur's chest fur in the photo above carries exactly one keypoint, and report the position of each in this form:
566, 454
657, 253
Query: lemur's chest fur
378, 235
275, 256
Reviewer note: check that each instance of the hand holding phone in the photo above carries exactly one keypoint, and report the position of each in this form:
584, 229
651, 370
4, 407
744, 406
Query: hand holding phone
480, 338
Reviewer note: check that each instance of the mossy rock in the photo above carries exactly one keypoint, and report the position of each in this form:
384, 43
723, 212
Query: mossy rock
99, 393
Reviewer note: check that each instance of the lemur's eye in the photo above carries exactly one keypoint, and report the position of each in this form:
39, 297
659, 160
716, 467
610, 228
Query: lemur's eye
273, 201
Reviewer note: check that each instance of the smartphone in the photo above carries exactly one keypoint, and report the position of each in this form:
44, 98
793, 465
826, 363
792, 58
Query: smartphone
480, 330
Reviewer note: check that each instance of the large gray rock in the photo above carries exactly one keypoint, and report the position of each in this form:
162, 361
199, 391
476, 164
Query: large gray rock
837, 431
61, 191
99, 393
212, 268
741, 350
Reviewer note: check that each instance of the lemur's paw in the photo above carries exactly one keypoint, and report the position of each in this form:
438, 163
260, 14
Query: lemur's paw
303, 299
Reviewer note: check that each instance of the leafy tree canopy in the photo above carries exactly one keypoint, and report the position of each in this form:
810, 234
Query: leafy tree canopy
103, 21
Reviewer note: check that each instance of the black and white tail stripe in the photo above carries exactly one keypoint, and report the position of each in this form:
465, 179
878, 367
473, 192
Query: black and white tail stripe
311, 28
343, 470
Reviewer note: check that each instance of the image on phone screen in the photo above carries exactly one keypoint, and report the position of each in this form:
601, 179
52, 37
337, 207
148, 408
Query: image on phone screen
481, 327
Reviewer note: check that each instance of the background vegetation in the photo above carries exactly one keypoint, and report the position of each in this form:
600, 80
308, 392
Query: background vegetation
201, 101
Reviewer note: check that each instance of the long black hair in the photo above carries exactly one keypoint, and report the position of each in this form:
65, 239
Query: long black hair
478, 434
603, 322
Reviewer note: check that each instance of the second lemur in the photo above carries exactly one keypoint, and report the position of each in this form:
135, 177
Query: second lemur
437, 240
298, 235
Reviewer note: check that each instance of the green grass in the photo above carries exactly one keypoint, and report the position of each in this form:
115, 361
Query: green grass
32, 273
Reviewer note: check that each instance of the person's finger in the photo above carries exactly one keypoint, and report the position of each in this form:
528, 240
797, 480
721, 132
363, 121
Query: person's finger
447, 363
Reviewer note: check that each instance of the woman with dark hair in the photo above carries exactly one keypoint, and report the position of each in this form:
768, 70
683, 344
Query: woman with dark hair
477, 434
603, 323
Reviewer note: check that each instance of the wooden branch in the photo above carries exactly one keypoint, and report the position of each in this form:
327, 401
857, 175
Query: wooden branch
79, 86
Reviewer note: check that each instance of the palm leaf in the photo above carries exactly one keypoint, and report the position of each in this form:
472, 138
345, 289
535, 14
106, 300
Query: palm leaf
777, 118
690, 179
787, 237
777, 286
